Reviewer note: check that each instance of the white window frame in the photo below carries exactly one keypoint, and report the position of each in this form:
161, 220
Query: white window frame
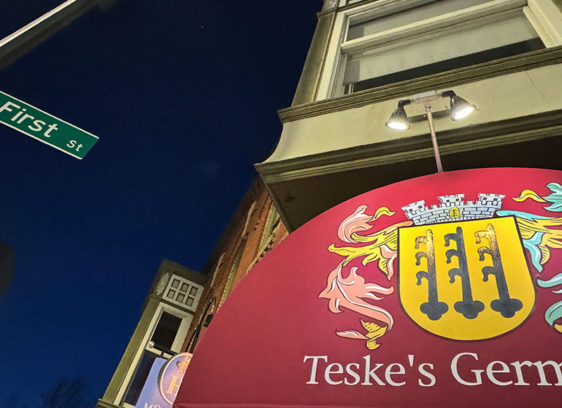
234, 269
144, 346
544, 17
273, 216
216, 270
197, 296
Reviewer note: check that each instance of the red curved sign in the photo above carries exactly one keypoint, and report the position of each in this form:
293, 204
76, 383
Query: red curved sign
440, 291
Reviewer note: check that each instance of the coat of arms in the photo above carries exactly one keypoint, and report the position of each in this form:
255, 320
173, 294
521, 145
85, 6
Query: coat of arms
461, 266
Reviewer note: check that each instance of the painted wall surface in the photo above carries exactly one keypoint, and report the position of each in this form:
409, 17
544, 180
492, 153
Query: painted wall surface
440, 291
500, 98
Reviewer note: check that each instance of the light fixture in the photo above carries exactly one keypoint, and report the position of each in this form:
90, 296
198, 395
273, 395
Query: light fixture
398, 120
459, 109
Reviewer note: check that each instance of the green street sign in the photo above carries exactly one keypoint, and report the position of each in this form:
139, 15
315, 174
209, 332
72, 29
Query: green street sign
44, 127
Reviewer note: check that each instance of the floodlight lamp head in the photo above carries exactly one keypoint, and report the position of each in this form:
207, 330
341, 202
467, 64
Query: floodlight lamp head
398, 120
460, 108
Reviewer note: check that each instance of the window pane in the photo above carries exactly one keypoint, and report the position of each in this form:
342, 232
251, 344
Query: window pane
175, 283
171, 294
189, 301
165, 332
180, 298
405, 17
139, 378
184, 287
193, 291
428, 54
484, 56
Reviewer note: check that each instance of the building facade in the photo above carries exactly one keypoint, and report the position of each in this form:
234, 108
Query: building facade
503, 56
181, 303
166, 317
252, 232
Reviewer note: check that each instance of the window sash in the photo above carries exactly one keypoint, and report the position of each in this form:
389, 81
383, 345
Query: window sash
492, 10
359, 29
146, 347
339, 50
435, 47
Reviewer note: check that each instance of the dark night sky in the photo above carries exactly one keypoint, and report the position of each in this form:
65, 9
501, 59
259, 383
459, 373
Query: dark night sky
183, 96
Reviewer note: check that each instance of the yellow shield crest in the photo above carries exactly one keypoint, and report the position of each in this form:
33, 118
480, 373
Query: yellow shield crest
465, 280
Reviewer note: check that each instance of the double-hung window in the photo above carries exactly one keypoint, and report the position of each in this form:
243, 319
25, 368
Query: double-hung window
166, 338
390, 41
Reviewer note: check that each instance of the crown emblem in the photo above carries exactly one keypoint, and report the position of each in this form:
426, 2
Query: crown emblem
454, 208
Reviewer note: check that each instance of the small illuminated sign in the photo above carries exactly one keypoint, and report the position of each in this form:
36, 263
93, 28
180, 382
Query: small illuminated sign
163, 382
171, 376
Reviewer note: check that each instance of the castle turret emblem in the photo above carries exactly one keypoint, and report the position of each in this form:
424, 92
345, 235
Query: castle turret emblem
454, 208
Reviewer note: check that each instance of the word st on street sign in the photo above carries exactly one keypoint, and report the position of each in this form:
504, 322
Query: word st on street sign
44, 127
440, 291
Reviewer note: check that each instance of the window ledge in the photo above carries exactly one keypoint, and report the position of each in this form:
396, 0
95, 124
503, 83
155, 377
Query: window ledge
517, 63
534, 127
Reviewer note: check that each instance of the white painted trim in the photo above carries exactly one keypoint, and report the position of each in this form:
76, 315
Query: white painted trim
332, 71
272, 216
425, 35
196, 299
186, 319
493, 10
548, 28
216, 270
176, 346
543, 33
382, 8
333, 57
550, 19
138, 354
248, 216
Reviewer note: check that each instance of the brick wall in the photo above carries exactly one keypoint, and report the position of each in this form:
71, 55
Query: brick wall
247, 238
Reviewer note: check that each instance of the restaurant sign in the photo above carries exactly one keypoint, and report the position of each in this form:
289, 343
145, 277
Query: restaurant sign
163, 381
440, 291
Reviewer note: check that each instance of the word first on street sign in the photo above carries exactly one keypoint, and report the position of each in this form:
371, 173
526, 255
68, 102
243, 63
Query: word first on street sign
44, 127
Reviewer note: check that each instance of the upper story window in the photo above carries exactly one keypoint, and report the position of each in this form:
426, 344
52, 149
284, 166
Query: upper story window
390, 41
359, 27
167, 332
183, 292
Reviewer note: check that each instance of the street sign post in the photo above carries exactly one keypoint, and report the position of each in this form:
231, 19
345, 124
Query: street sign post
44, 127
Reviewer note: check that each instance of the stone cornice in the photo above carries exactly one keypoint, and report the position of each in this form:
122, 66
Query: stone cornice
481, 136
